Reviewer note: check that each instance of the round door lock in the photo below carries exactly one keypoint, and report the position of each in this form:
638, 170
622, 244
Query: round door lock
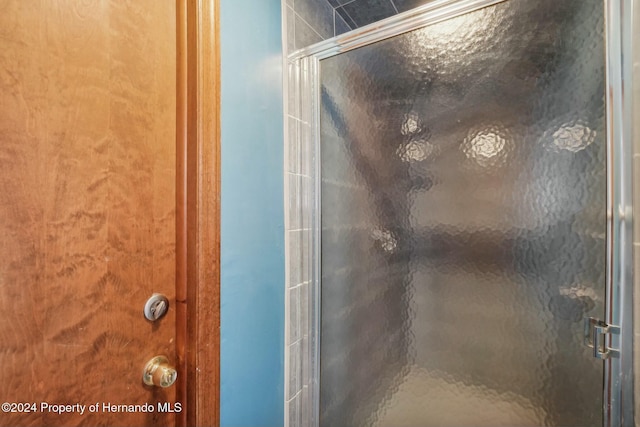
156, 307
158, 372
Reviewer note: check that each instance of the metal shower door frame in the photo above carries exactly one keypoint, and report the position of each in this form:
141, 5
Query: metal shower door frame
618, 371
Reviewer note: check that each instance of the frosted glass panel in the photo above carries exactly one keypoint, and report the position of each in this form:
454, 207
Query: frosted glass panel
463, 170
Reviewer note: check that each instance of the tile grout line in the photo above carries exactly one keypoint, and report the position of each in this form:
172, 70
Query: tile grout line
334, 22
308, 25
296, 342
296, 395
293, 12
300, 285
298, 174
298, 230
347, 13
343, 20
300, 121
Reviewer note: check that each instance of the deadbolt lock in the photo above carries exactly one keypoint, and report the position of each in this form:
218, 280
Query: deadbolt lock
158, 372
156, 307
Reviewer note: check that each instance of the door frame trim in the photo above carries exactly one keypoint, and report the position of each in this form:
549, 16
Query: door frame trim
198, 212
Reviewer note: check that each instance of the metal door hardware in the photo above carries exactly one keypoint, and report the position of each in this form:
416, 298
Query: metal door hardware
157, 372
156, 307
594, 337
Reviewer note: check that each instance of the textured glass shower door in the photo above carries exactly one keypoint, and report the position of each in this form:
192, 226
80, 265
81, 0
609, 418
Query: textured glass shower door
463, 221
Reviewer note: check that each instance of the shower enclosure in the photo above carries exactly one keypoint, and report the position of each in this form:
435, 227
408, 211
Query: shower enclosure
460, 222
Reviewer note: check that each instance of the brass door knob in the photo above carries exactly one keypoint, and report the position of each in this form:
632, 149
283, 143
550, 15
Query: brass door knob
158, 372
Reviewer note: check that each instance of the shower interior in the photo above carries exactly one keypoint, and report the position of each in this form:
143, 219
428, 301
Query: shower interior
463, 221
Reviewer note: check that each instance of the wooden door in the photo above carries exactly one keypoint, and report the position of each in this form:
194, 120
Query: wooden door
87, 208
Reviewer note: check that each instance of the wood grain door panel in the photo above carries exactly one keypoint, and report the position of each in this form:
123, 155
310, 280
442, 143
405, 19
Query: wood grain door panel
87, 204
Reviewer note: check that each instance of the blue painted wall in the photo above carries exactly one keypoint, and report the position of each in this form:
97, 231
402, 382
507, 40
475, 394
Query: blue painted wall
252, 307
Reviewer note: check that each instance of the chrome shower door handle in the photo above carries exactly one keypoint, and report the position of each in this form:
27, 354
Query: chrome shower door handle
594, 337
600, 351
